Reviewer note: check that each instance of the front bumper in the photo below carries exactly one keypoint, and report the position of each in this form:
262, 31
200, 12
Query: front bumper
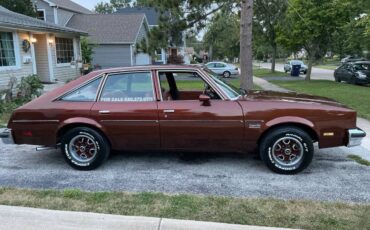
355, 137
6, 136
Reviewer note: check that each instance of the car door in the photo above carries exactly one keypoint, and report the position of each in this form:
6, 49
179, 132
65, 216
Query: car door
127, 110
346, 72
192, 126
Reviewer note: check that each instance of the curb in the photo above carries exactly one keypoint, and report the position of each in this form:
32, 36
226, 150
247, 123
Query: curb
12, 217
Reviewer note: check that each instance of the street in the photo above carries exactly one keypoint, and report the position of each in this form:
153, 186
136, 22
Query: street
331, 176
317, 73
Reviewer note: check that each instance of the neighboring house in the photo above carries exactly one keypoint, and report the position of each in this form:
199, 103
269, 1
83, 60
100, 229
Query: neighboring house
58, 11
114, 38
31, 46
153, 17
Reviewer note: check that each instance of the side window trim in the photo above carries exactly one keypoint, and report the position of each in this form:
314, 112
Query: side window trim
103, 82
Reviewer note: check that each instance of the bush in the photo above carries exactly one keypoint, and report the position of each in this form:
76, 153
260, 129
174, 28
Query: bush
30, 87
172, 59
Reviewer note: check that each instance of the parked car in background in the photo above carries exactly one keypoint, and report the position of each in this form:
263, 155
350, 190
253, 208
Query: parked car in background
289, 64
351, 58
353, 72
148, 108
224, 69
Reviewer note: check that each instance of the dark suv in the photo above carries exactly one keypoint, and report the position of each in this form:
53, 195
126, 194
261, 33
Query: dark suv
354, 73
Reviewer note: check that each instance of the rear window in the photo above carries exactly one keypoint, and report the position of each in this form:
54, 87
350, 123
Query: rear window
87, 92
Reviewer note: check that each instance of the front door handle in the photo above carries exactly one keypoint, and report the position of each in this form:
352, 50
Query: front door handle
169, 111
104, 111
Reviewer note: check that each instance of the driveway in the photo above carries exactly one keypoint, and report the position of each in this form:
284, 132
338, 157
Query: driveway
317, 73
331, 176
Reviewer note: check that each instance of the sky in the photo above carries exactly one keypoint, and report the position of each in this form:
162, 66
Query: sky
89, 4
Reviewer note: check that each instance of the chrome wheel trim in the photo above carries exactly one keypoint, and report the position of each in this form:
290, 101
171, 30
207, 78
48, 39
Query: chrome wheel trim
83, 148
287, 151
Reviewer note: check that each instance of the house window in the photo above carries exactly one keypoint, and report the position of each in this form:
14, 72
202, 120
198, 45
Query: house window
7, 52
64, 48
158, 55
41, 14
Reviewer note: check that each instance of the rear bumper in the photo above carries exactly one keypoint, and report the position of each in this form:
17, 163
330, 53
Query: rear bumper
355, 137
6, 136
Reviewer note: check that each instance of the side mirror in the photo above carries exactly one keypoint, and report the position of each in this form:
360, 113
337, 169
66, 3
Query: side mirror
206, 100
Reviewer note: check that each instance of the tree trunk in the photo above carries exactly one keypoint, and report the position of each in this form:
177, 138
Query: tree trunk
273, 59
210, 53
309, 69
246, 61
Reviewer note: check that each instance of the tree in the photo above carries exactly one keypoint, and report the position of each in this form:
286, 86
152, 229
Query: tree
222, 35
181, 15
25, 7
112, 6
86, 50
311, 24
268, 16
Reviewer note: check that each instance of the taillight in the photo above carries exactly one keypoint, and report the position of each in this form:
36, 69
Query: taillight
27, 133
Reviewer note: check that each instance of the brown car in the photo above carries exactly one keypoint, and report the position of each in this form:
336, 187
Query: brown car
180, 108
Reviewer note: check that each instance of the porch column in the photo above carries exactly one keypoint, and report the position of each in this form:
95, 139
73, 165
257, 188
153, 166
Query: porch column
33, 55
49, 46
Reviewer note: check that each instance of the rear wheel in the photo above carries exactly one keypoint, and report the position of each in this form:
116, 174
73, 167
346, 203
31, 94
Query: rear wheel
226, 74
85, 148
287, 150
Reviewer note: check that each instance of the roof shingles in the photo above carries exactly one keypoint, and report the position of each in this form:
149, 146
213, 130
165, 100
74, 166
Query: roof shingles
70, 5
14, 20
109, 28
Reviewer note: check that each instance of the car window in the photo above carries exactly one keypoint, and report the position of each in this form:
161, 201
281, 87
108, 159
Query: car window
361, 67
220, 65
210, 65
128, 87
85, 93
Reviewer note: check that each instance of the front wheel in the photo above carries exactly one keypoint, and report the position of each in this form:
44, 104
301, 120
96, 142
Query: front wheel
287, 150
85, 148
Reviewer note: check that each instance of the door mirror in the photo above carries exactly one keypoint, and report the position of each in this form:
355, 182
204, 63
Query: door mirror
206, 100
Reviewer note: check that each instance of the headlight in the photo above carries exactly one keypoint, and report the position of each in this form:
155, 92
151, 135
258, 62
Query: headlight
361, 75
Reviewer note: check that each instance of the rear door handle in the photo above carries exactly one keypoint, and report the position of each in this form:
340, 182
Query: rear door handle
169, 111
104, 111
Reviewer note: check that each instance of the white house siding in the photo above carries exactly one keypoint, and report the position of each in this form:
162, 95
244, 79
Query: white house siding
63, 16
49, 11
23, 71
64, 72
42, 63
108, 56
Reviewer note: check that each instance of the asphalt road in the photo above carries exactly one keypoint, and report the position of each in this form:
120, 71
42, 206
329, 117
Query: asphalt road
331, 176
317, 73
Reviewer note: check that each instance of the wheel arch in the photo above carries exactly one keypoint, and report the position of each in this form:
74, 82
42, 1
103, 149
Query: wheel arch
305, 127
75, 122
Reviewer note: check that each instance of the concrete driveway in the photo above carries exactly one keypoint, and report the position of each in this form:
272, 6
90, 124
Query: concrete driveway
331, 176
317, 73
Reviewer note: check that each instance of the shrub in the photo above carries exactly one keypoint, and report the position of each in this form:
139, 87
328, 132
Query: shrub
30, 87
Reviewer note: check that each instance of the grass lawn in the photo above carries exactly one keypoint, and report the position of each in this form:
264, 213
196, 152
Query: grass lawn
263, 212
354, 96
359, 160
260, 72
199, 85
330, 67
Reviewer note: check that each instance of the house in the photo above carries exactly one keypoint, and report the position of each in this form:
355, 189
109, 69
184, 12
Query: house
58, 11
32, 46
153, 17
114, 38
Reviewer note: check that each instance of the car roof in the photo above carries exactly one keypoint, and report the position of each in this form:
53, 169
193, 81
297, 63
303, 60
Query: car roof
361, 62
149, 67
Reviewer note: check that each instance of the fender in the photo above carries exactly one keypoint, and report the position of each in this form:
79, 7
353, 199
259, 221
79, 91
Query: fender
291, 119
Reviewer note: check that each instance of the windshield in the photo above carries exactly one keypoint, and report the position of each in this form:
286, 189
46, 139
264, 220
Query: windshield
229, 89
361, 66
297, 63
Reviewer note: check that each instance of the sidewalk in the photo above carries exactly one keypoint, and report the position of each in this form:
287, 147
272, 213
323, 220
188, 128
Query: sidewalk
361, 122
33, 218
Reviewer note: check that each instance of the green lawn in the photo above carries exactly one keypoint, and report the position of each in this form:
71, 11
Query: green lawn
199, 85
259, 72
354, 96
330, 67
264, 212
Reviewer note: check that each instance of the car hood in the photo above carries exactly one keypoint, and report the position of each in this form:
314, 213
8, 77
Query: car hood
291, 96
